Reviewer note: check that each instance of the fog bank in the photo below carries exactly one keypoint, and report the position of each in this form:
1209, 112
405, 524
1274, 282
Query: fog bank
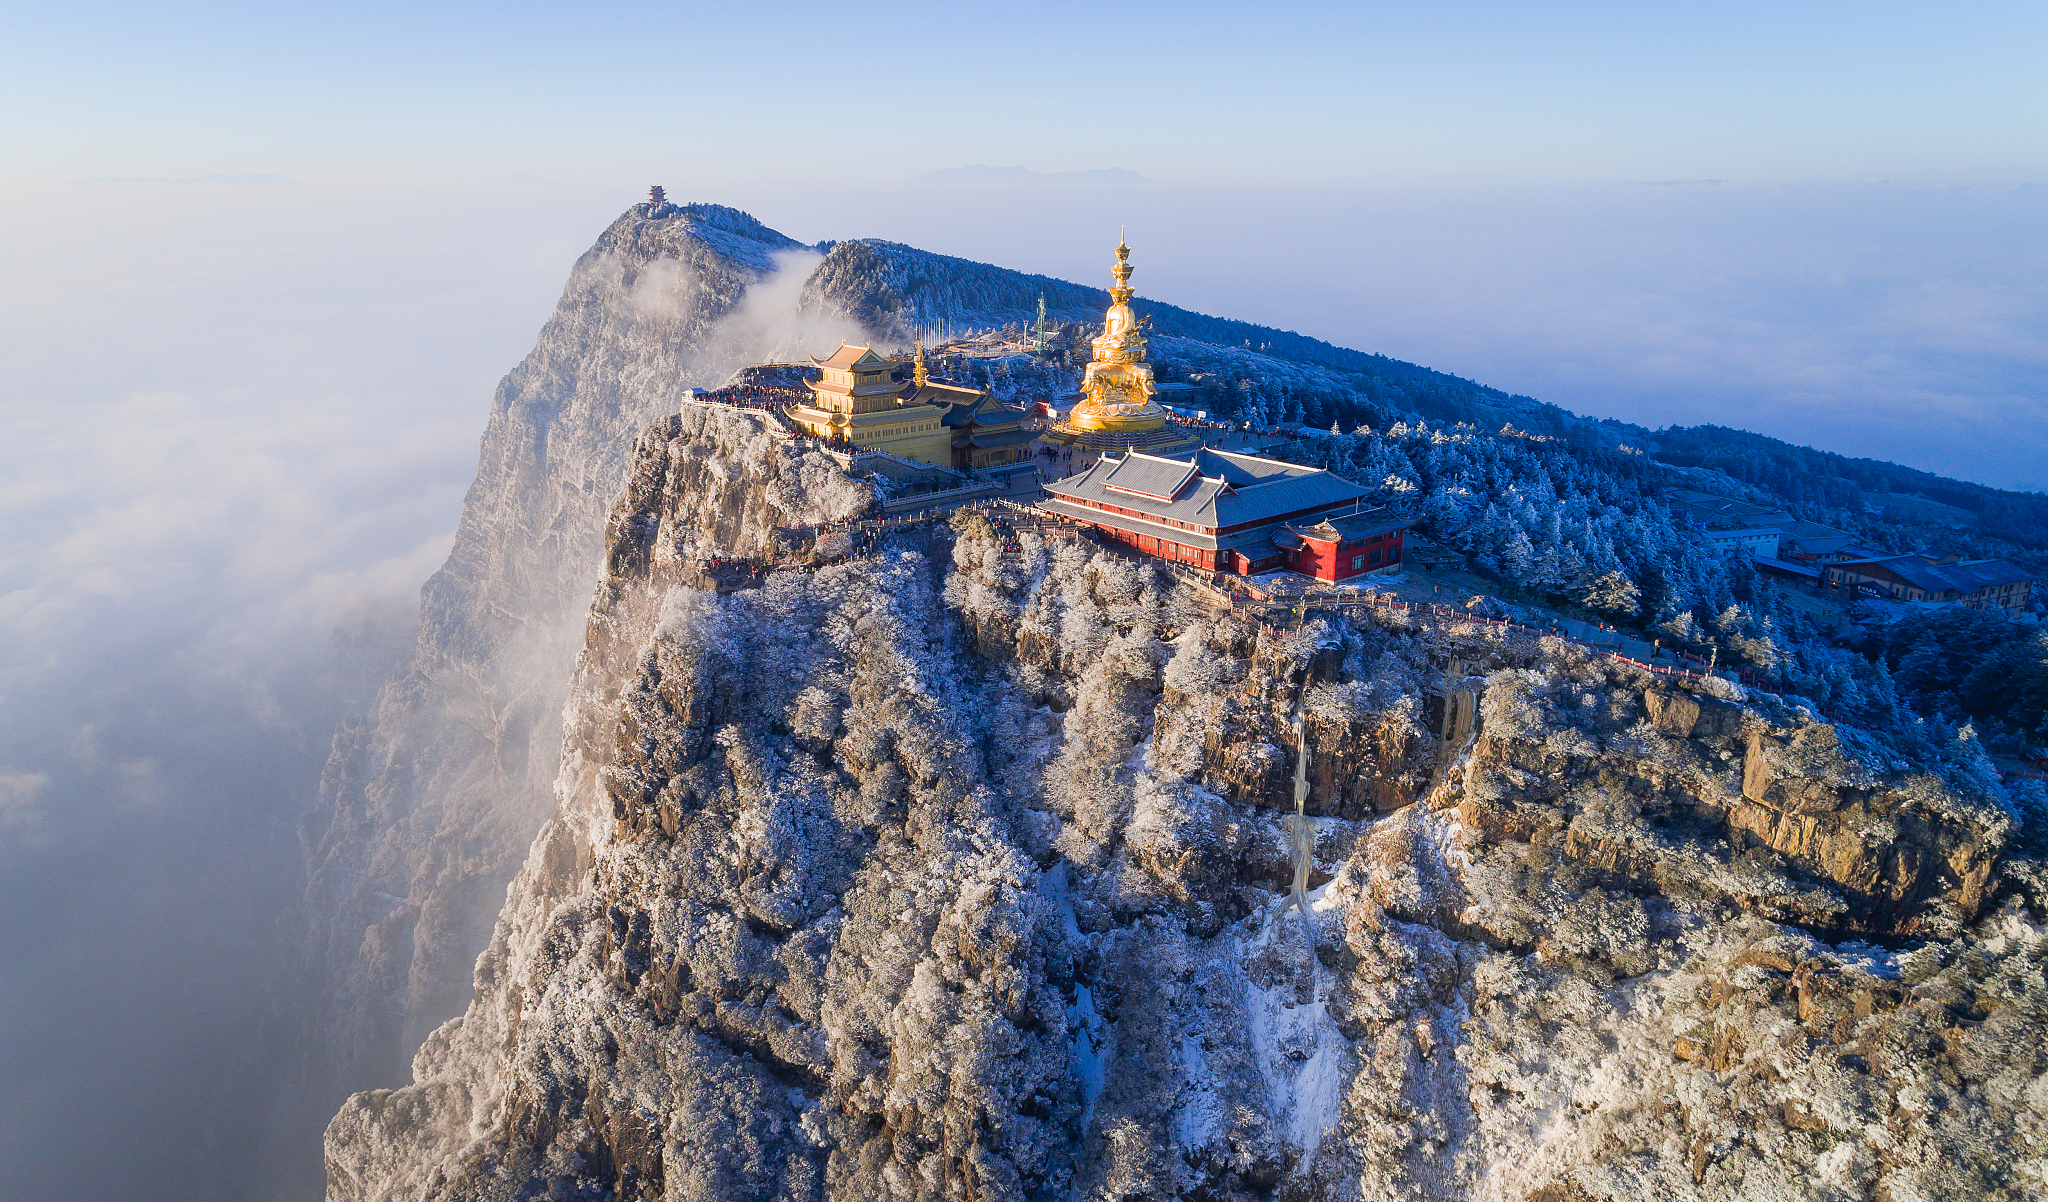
237, 426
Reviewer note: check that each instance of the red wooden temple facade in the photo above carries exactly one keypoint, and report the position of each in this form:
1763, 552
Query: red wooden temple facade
1232, 513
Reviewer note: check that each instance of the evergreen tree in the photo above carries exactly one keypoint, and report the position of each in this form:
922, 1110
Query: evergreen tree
1616, 594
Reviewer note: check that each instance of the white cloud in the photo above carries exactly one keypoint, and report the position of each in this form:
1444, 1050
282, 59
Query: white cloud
21, 802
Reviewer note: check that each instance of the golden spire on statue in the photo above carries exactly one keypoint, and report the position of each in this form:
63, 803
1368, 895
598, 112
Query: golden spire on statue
1117, 411
917, 373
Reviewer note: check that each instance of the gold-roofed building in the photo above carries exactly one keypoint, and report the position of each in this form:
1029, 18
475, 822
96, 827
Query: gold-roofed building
856, 402
985, 433
1118, 410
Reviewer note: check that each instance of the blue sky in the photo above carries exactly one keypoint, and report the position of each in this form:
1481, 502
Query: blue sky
1189, 92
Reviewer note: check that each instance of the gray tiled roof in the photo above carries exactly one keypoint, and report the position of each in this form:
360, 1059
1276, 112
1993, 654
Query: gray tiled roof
1352, 526
1238, 470
1272, 498
1986, 573
1965, 577
1270, 490
1202, 495
1806, 571
1713, 509
1149, 476
1191, 538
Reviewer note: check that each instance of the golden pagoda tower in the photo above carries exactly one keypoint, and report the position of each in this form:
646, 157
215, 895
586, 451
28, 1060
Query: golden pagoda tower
1117, 410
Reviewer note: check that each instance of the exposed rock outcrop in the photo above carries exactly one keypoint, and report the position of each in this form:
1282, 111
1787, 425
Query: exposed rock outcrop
945, 872
429, 803
1841, 846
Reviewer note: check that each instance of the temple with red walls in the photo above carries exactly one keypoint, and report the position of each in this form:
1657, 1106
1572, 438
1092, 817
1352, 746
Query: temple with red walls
1340, 547
1232, 513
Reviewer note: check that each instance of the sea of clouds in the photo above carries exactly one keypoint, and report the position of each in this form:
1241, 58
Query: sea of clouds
235, 428
237, 420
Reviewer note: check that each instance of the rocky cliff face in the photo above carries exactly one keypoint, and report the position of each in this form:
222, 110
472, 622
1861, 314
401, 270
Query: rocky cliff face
430, 801
954, 871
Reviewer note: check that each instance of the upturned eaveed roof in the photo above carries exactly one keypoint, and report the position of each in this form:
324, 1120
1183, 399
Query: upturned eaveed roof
847, 355
1204, 494
1149, 476
1351, 527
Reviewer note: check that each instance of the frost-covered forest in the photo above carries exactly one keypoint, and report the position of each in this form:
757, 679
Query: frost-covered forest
1553, 505
1582, 526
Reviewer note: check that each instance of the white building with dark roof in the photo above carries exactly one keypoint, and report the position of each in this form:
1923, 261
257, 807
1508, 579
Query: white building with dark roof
1759, 542
1232, 513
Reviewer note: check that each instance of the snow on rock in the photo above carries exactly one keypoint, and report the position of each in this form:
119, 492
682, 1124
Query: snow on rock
429, 802
954, 871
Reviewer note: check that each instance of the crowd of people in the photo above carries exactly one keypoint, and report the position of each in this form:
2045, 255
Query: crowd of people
759, 396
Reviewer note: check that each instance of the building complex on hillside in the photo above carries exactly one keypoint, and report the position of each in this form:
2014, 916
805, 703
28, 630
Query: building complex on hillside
1707, 511
1760, 542
983, 432
1232, 513
1920, 577
1811, 542
858, 402
1832, 559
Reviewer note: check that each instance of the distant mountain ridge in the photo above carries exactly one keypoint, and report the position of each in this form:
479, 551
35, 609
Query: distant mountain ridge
259, 180
1012, 176
899, 291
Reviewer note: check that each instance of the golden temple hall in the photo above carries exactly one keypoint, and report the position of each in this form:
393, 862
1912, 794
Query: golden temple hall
858, 402
1118, 410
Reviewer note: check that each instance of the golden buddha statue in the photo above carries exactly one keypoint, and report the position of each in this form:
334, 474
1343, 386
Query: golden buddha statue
1119, 382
